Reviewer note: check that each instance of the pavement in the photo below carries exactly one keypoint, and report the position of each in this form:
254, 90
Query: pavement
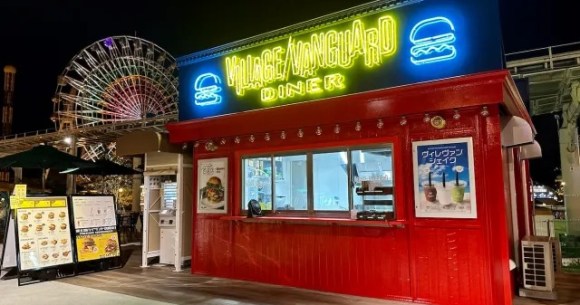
160, 285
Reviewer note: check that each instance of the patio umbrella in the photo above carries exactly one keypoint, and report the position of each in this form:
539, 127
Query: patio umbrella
104, 167
44, 157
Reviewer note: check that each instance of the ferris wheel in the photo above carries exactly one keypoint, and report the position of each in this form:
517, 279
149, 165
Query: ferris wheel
116, 79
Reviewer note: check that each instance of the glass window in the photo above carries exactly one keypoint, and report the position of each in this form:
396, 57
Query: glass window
258, 181
322, 181
291, 188
372, 172
330, 181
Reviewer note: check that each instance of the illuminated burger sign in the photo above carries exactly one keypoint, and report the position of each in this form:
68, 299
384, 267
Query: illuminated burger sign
432, 41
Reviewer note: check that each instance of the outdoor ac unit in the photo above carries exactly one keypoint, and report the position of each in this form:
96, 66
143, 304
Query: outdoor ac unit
538, 265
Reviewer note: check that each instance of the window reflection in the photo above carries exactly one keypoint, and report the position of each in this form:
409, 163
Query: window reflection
330, 181
292, 185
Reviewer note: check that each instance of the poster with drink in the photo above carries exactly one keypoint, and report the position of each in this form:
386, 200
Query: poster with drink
44, 236
212, 177
444, 178
95, 227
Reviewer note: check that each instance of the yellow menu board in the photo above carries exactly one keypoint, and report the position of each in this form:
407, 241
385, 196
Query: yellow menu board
44, 236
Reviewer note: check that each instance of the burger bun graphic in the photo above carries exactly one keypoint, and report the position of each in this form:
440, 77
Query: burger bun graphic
212, 194
432, 41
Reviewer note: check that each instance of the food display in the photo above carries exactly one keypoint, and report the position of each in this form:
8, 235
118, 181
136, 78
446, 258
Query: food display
42, 237
95, 227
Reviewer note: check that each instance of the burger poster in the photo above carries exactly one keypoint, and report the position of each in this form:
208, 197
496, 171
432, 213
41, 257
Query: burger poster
44, 236
212, 177
97, 246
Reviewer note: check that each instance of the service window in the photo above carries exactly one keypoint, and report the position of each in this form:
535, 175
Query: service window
325, 182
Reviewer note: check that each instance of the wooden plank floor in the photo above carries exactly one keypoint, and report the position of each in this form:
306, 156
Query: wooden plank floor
162, 284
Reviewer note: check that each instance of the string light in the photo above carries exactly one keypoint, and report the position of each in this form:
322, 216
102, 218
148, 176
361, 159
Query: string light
283, 135
318, 130
337, 129
380, 124
484, 112
358, 126
403, 121
300, 133
267, 137
456, 115
426, 118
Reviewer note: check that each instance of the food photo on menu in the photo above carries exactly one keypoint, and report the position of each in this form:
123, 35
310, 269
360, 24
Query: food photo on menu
212, 194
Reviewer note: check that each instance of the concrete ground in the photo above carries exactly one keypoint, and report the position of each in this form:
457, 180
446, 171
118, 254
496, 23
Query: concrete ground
159, 285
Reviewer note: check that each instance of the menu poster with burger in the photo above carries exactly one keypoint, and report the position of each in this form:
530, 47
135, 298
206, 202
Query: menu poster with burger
95, 227
44, 236
97, 244
212, 177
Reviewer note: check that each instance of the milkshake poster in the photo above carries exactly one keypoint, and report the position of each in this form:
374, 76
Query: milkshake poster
444, 178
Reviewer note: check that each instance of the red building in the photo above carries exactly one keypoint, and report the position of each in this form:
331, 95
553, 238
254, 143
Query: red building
373, 141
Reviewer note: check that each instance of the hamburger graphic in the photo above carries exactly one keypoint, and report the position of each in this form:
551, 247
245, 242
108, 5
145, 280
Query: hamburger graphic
432, 41
24, 229
61, 214
111, 245
63, 226
24, 217
38, 215
212, 194
51, 215
89, 245
51, 227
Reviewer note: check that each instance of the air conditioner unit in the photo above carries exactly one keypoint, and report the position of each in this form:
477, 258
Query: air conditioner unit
538, 265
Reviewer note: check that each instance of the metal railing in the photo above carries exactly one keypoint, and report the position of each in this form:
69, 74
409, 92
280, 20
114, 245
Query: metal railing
567, 232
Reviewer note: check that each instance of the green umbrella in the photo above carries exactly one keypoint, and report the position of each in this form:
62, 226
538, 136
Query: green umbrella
44, 157
104, 167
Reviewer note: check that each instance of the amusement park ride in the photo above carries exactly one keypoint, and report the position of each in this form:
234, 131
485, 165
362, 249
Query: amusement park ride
112, 87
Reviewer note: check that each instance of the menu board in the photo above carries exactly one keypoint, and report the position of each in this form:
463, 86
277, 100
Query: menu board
44, 236
95, 227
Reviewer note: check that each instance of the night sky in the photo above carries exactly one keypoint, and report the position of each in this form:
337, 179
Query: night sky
40, 37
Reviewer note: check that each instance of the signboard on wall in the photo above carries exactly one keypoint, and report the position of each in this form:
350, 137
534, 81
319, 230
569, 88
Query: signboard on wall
95, 227
444, 178
44, 236
212, 187
381, 47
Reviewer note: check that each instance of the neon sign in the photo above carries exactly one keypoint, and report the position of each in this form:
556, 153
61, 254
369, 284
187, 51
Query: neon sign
348, 52
434, 48
304, 58
207, 88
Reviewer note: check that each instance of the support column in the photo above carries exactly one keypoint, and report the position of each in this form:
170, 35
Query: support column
570, 165
136, 203
71, 186
570, 153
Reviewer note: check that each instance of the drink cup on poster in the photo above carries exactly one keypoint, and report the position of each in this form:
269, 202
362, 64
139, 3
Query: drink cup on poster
430, 192
458, 192
443, 193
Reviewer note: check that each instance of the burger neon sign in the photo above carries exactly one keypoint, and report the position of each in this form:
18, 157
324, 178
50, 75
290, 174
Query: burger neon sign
271, 71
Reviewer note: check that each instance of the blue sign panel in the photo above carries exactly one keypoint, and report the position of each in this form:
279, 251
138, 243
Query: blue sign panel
416, 42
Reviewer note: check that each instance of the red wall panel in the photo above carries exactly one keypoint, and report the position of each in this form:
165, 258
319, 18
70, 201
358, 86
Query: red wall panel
366, 261
449, 265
